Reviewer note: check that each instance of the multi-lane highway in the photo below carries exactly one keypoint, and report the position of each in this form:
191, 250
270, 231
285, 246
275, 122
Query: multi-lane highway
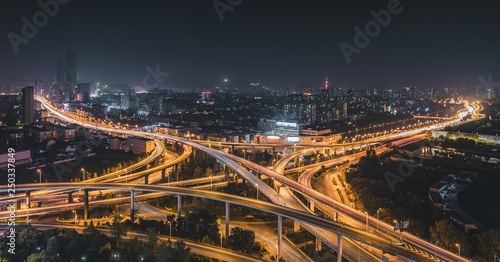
271, 194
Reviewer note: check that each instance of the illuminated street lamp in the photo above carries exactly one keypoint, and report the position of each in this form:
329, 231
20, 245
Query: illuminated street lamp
377, 216
40, 173
366, 221
75, 216
220, 238
83, 173
458, 245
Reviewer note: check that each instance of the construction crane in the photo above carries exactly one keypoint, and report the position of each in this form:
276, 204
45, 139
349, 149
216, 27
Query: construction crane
24, 80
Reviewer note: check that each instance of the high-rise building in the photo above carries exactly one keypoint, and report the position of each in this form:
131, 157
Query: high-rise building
59, 71
344, 110
28, 105
71, 67
82, 92
70, 75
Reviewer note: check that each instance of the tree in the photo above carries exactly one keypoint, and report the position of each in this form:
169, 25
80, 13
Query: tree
448, 235
118, 231
197, 172
488, 244
152, 243
173, 252
242, 240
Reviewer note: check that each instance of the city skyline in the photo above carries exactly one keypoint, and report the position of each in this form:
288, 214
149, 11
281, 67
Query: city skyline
420, 46
246, 131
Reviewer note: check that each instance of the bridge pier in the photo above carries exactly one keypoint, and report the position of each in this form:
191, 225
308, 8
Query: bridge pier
28, 204
179, 206
339, 252
18, 204
318, 244
280, 225
232, 149
132, 212
311, 204
146, 179
228, 213
296, 226
70, 197
86, 204
164, 174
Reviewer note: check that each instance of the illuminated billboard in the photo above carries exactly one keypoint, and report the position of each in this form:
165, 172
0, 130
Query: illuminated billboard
293, 140
273, 139
287, 125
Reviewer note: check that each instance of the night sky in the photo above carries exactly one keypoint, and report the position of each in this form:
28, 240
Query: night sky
429, 44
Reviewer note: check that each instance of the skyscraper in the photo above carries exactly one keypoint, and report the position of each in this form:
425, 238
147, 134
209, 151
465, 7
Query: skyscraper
70, 76
59, 71
28, 105
71, 68
344, 110
82, 92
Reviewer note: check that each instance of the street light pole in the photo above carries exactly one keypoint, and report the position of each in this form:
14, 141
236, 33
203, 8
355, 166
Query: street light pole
40, 173
458, 245
257, 191
366, 221
377, 216
220, 232
83, 173
435, 247
170, 235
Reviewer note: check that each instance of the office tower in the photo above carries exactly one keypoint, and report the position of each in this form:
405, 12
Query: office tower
70, 76
71, 68
344, 110
59, 71
82, 93
28, 105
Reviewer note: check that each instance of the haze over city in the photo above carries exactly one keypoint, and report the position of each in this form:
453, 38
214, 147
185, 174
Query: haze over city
234, 130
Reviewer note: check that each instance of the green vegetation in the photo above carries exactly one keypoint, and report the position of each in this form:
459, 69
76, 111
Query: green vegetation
94, 212
68, 245
300, 237
410, 202
243, 240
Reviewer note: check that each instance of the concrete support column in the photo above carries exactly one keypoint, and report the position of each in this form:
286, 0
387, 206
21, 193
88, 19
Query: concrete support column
296, 226
280, 227
339, 253
18, 204
28, 204
28, 199
146, 178
132, 194
70, 197
179, 206
232, 149
228, 213
274, 150
311, 204
253, 150
318, 244
86, 204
